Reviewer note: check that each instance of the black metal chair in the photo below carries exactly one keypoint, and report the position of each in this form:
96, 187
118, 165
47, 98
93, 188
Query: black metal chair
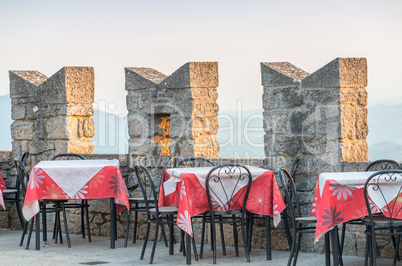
14, 195
57, 207
155, 214
389, 225
139, 203
83, 205
378, 165
227, 188
297, 220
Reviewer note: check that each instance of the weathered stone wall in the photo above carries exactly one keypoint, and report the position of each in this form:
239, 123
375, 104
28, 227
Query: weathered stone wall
188, 96
52, 115
322, 120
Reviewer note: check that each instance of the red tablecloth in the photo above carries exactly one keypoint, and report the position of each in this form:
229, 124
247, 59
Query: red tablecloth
191, 196
339, 198
107, 183
2, 187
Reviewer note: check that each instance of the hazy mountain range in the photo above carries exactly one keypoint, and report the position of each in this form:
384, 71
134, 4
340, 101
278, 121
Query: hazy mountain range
384, 139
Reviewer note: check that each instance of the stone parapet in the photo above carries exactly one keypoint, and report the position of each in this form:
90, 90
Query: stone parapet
185, 101
52, 115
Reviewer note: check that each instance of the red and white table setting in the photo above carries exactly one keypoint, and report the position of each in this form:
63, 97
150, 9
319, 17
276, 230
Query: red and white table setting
2, 187
185, 188
76, 179
339, 198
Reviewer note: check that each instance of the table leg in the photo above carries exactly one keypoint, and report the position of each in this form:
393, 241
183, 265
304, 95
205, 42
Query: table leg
188, 247
171, 235
335, 245
112, 223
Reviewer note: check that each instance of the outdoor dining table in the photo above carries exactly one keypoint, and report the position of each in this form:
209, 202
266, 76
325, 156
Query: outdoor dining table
2, 187
77, 179
185, 188
339, 198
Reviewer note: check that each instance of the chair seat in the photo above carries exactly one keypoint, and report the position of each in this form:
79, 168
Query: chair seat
136, 199
307, 219
9, 191
165, 210
382, 221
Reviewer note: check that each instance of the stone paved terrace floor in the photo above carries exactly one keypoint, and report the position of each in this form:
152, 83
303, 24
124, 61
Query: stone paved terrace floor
83, 253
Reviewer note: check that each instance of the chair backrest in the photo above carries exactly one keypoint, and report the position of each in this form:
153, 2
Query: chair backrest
24, 158
381, 165
228, 186
147, 186
22, 178
294, 168
68, 156
382, 192
291, 198
195, 162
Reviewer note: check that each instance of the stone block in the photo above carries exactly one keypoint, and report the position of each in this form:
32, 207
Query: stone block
77, 109
301, 122
270, 101
276, 121
24, 84
88, 128
22, 130
138, 125
281, 74
341, 72
39, 128
322, 95
62, 127
361, 123
193, 75
18, 112
356, 150
81, 146
348, 121
142, 78
291, 97
39, 146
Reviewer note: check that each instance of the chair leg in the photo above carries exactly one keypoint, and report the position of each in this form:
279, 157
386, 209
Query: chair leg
127, 228
236, 238
394, 243
65, 225
24, 231
87, 218
268, 237
151, 259
171, 235
297, 249
243, 232
374, 247
222, 238
202, 235
135, 223
164, 236
292, 249
250, 230
144, 246
396, 250
194, 247
286, 225
30, 233
213, 240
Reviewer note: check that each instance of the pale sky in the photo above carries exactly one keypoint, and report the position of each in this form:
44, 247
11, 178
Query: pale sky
111, 35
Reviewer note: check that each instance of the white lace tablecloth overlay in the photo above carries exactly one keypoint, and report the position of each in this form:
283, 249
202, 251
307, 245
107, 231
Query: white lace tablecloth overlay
72, 175
357, 180
169, 186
